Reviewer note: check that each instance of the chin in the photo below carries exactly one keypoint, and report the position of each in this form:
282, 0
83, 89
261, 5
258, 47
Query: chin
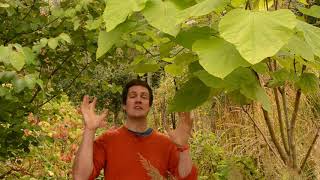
138, 115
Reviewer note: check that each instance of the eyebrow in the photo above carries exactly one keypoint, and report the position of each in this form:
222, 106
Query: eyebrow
143, 93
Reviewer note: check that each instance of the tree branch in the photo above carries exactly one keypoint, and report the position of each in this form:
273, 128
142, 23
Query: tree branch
73, 80
273, 136
293, 125
263, 136
283, 138
23, 33
309, 150
33, 3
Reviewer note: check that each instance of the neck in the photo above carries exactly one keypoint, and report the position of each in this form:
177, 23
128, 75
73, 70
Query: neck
136, 125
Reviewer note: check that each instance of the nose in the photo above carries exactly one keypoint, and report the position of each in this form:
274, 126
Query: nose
138, 100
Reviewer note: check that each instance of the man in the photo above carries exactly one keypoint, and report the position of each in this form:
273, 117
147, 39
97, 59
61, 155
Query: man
133, 151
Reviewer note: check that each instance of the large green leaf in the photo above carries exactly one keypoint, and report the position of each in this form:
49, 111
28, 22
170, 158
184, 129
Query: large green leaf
191, 95
174, 69
257, 35
162, 15
218, 57
4, 54
309, 83
117, 11
17, 57
311, 35
107, 39
238, 77
144, 68
187, 37
314, 11
53, 43
202, 8
244, 79
256, 93
299, 47
209, 80
280, 77
179, 62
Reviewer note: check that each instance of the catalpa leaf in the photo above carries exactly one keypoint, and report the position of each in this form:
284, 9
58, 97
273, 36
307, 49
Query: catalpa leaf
191, 95
257, 34
308, 83
117, 11
311, 35
162, 15
314, 11
218, 57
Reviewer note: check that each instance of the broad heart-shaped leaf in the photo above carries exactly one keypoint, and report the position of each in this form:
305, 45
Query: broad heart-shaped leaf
218, 57
257, 93
174, 69
53, 43
187, 37
117, 11
209, 80
238, 98
280, 77
239, 76
4, 54
244, 79
107, 39
191, 95
309, 83
17, 57
65, 37
144, 68
257, 35
202, 8
162, 15
299, 47
311, 35
314, 11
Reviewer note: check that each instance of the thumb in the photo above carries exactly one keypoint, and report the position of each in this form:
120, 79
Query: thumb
102, 124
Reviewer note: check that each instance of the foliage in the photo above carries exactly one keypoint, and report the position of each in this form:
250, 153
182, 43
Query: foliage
214, 163
241, 49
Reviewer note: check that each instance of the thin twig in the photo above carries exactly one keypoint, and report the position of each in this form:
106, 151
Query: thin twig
263, 136
293, 125
309, 150
73, 80
33, 3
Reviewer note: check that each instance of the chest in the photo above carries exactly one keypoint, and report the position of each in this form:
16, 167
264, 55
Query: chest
137, 156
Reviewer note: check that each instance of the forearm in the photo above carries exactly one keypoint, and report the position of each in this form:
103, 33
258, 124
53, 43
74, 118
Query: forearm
185, 163
83, 163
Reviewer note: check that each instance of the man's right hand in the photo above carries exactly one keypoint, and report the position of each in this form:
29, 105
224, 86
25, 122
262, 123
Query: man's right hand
92, 121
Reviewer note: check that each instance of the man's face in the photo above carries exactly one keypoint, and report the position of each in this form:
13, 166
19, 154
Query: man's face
137, 103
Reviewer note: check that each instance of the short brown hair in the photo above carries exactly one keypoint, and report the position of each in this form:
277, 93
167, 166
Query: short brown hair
136, 82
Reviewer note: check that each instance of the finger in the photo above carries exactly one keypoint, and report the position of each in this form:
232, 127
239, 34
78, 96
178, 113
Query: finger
104, 114
85, 100
166, 128
93, 104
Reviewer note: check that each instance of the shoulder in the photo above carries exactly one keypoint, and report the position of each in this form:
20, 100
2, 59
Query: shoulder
112, 132
162, 138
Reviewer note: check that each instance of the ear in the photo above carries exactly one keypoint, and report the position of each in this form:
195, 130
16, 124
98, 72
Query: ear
123, 107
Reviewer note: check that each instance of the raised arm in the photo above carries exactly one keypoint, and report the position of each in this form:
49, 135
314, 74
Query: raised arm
83, 163
180, 136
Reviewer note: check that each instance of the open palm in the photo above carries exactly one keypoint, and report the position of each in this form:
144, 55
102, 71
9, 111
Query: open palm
182, 133
92, 120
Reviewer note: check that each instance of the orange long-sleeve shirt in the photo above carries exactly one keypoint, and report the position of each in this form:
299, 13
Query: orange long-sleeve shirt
122, 154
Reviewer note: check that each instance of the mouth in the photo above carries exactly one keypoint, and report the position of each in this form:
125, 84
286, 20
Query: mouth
138, 108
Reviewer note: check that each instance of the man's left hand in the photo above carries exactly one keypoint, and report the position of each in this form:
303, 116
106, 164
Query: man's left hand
182, 133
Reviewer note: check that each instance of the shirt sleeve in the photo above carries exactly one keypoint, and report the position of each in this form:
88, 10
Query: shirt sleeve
99, 156
173, 166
